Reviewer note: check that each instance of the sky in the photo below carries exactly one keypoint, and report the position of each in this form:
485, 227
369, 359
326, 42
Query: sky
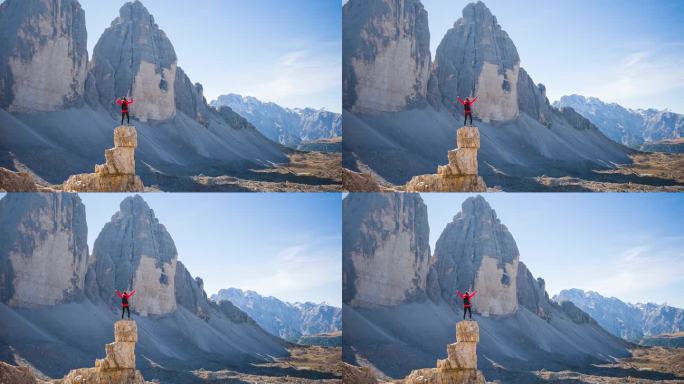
626, 51
625, 245
286, 245
290, 55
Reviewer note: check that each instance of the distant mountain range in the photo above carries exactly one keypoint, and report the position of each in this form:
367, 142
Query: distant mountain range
290, 127
635, 128
290, 321
629, 321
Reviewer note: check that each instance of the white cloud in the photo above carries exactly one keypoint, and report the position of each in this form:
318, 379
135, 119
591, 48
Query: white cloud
298, 75
306, 271
642, 268
643, 73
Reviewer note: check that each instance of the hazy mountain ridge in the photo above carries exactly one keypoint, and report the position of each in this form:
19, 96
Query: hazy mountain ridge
630, 321
627, 126
287, 126
51, 284
287, 320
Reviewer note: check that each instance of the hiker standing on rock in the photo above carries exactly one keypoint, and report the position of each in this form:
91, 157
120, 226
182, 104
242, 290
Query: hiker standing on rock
124, 103
466, 302
124, 302
467, 104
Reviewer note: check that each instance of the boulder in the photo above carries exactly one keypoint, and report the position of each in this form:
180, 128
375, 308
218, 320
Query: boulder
117, 174
18, 375
467, 331
460, 175
16, 181
358, 182
351, 374
94, 376
126, 330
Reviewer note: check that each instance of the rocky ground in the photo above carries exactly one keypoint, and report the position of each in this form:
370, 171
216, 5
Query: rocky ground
305, 172
647, 365
649, 172
306, 364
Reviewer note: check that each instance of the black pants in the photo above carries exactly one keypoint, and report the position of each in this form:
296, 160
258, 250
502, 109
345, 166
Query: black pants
465, 118
470, 313
125, 309
128, 119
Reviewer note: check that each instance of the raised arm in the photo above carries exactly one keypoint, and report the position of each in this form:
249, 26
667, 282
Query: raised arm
132, 293
119, 294
130, 102
474, 100
118, 101
461, 100
460, 294
473, 294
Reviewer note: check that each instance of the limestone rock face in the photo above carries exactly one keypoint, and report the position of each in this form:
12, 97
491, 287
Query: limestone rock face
532, 293
386, 55
44, 58
35, 227
133, 57
118, 366
460, 366
477, 58
117, 174
475, 251
16, 181
134, 251
190, 292
460, 175
386, 248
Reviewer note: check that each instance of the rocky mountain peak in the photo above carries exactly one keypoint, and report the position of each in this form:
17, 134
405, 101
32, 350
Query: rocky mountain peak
386, 250
475, 251
386, 55
135, 251
134, 57
44, 58
36, 227
491, 65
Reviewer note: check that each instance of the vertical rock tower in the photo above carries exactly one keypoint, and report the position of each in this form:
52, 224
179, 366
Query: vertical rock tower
460, 366
460, 175
118, 366
117, 174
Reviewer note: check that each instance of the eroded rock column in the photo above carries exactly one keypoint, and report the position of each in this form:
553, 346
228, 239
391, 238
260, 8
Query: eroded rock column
118, 366
460, 174
460, 366
117, 174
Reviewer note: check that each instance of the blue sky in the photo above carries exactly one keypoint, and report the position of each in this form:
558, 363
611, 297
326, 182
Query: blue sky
628, 245
285, 52
286, 245
625, 51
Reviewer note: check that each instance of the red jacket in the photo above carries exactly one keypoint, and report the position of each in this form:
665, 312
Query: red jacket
124, 104
467, 104
126, 296
467, 296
